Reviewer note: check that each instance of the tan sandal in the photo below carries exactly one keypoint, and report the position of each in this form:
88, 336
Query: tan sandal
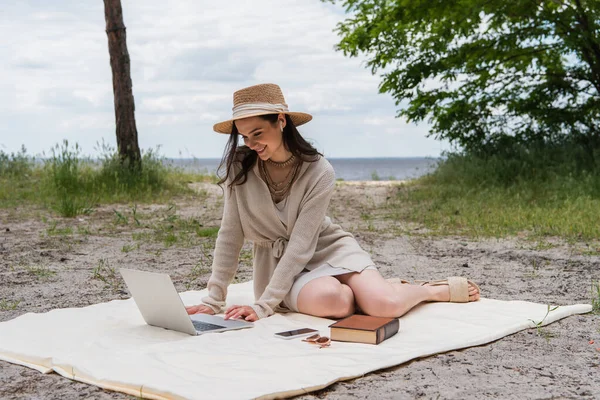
459, 288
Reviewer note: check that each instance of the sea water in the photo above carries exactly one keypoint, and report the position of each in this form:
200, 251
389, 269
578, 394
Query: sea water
348, 169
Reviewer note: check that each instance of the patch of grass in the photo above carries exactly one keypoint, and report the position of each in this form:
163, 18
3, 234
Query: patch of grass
6, 305
543, 245
210, 232
477, 197
538, 325
71, 184
497, 212
375, 176
54, 230
171, 238
155, 180
203, 266
596, 297
65, 181
198, 270
83, 230
141, 236
246, 256
17, 172
170, 228
134, 215
173, 230
120, 219
16, 165
107, 274
590, 250
40, 271
157, 252
127, 248
71, 206
534, 273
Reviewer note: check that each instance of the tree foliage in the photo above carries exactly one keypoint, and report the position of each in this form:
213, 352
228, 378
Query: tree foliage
485, 72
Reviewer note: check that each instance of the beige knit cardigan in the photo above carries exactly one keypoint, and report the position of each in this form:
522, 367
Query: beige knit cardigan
280, 252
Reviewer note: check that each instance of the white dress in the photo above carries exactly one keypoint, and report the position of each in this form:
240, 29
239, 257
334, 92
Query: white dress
291, 299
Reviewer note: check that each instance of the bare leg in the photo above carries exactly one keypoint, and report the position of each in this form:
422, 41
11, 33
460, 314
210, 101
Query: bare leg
326, 297
377, 297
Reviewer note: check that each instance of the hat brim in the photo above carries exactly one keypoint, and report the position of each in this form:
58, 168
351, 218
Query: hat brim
298, 118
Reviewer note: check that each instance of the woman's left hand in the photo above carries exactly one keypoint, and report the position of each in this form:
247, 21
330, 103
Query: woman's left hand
245, 312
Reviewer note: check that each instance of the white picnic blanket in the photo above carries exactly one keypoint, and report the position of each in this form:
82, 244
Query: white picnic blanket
110, 346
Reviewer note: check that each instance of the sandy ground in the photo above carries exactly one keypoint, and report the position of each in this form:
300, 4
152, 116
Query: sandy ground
48, 262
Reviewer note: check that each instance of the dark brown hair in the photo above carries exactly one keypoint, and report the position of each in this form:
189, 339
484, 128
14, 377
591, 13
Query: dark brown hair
292, 140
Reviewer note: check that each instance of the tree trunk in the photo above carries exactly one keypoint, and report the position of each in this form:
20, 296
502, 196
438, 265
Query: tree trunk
127, 140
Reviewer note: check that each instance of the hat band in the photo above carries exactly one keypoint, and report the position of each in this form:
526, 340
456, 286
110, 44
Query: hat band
242, 110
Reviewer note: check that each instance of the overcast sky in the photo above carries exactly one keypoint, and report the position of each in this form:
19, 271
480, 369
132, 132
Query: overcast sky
187, 59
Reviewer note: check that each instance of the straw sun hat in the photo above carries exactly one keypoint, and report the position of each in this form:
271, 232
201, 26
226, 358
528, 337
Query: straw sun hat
257, 100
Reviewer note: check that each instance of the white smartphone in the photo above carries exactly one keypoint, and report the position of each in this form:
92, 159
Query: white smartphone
296, 333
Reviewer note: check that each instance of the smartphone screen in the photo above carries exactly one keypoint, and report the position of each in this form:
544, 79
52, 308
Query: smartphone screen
296, 332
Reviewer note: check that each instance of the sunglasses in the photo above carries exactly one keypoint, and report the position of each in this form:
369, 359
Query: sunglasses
321, 341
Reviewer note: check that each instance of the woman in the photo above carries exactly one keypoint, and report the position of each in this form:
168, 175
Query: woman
277, 190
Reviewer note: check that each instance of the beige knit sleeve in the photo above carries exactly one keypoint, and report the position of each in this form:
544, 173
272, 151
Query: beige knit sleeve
301, 246
230, 240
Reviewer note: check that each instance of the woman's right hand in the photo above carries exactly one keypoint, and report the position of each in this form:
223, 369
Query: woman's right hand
199, 309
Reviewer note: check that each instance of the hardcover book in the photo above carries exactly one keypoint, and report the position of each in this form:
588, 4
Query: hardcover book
364, 329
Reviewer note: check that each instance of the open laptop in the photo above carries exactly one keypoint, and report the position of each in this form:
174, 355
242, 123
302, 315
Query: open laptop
160, 305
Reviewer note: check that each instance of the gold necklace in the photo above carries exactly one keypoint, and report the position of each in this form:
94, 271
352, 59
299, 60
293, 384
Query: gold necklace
279, 190
277, 184
282, 164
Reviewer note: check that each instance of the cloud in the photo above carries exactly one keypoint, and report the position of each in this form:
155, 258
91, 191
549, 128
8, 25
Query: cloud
187, 59
210, 64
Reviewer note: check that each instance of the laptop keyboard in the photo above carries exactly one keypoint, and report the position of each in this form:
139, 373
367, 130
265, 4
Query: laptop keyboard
205, 326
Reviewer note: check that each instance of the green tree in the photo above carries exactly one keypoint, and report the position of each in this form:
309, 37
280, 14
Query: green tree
485, 73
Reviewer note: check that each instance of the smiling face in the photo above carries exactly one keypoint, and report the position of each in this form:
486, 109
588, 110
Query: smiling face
264, 137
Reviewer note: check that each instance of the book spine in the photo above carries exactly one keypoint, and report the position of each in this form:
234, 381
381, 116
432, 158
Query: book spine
387, 331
